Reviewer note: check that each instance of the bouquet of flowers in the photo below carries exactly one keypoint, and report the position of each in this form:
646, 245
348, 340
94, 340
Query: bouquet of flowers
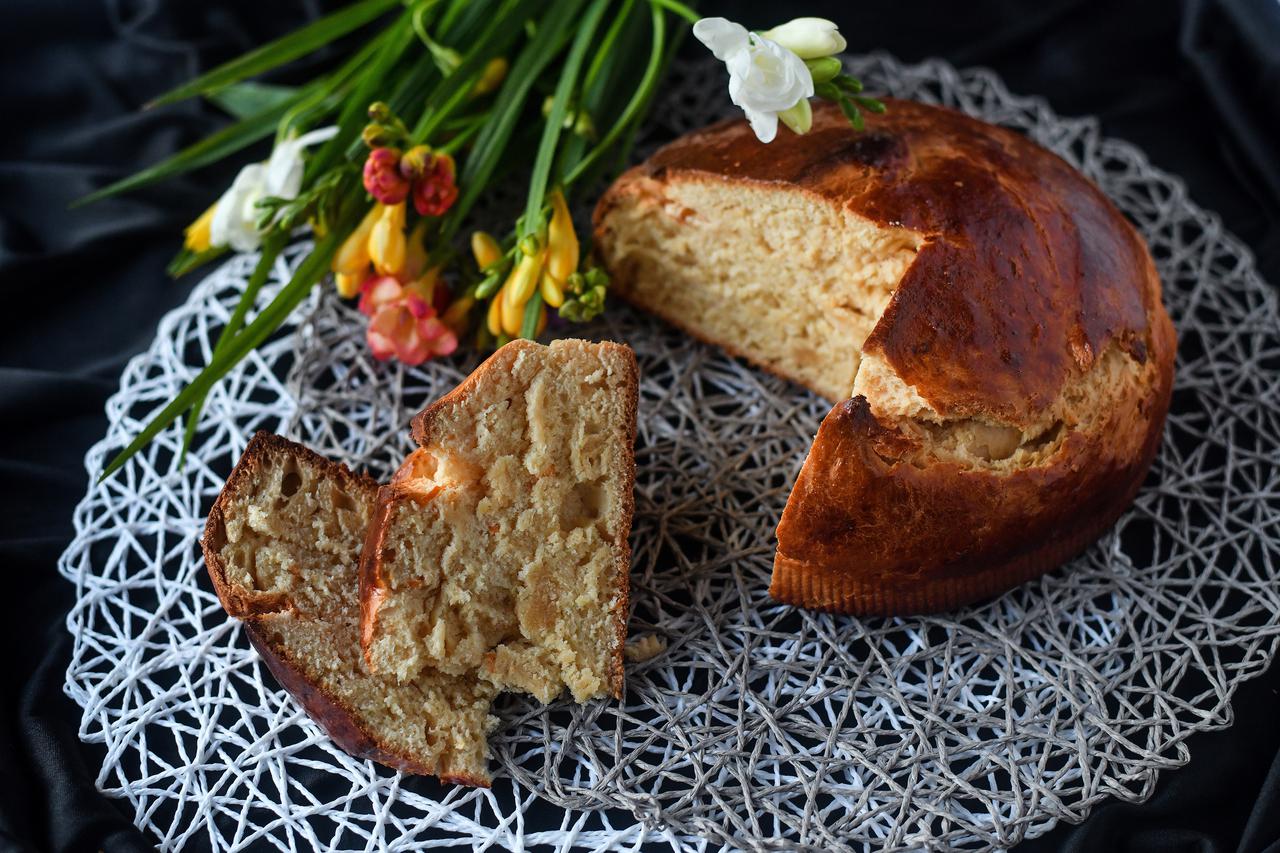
383, 158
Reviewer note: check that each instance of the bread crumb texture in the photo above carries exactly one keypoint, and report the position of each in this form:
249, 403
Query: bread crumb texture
292, 531
504, 549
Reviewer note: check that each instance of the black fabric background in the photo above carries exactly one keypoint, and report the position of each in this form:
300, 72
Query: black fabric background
1196, 84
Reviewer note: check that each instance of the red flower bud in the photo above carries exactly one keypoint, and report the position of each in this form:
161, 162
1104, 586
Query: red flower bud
382, 176
434, 192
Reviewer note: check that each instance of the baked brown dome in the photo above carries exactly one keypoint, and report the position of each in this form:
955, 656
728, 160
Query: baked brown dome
987, 323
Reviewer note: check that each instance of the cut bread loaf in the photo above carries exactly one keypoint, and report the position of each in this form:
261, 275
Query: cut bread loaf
988, 325
282, 546
501, 544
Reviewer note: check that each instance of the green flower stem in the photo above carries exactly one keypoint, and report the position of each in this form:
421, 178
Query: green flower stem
352, 118
555, 118
271, 249
638, 100
311, 270
607, 43
529, 322
497, 36
678, 8
491, 144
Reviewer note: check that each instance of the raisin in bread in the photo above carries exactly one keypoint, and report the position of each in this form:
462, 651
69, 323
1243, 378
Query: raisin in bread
282, 546
501, 544
987, 324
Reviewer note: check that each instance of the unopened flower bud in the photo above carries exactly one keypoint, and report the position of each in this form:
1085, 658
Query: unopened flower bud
415, 162
377, 135
530, 245
382, 176
808, 38
491, 78
799, 117
434, 188
380, 112
824, 68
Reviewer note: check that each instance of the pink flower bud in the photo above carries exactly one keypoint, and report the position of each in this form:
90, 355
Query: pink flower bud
434, 192
382, 176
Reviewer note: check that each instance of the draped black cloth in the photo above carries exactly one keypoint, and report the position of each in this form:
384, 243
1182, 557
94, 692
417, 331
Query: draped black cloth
1195, 83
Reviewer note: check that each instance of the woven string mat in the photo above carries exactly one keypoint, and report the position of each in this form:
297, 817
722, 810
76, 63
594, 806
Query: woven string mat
760, 725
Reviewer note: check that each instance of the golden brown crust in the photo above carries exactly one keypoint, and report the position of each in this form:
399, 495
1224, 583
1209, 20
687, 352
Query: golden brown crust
1026, 275
1026, 270
867, 532
373, 585
340, 722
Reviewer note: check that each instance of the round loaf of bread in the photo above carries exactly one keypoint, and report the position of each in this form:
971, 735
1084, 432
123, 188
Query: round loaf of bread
986, 322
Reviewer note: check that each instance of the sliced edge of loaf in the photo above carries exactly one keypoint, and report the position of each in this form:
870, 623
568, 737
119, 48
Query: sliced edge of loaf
419, 633
307, 633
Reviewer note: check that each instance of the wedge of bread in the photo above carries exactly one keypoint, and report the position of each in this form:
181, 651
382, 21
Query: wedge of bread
501, 544
282, 547
987, 324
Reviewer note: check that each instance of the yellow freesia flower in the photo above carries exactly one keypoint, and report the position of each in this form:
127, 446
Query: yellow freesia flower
353, 257
485, 249
197, 236
387, 244
562, 242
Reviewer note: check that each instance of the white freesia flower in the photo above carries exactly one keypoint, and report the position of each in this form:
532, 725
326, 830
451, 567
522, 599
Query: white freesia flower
235, 220
808, 38
765, 78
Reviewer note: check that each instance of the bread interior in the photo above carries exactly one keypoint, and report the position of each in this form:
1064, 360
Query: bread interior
792, 282
507, 551
797, 284
289, 544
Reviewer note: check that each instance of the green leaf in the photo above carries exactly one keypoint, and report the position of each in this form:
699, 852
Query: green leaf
555, 117
499, 33
491, 144
298, 43
186, 260
245, 100
639, 98
532, 309
227, 141
270, 251
311, 270
351, 120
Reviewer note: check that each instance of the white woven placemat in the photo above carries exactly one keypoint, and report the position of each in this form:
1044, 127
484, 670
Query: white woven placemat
760, 725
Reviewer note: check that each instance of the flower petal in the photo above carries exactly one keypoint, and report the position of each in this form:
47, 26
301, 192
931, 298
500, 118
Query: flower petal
235, 219
721, 36
765, 124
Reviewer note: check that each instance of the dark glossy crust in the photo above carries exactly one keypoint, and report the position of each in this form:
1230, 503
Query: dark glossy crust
1026, 275
1026, 271
340, 722
372, 582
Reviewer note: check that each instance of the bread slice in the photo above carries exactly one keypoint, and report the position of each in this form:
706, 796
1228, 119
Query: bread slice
986, 323
501, 544
282, 546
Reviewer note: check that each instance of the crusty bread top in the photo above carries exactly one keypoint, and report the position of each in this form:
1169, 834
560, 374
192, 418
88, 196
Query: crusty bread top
1026, 272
